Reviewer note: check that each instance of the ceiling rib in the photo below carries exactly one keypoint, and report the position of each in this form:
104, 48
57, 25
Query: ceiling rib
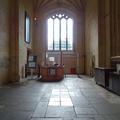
83, 3
35, 4
41, 2
47, 2
79, 3
74, 4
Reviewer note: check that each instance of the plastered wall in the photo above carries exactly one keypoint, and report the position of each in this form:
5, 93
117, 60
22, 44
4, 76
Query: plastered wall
91, 33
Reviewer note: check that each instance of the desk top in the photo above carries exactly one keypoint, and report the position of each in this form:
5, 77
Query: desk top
115, 58
104, 68
54, 67
115, 73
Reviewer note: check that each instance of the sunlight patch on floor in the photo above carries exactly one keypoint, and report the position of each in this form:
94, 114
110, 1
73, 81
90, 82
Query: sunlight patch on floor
60, 97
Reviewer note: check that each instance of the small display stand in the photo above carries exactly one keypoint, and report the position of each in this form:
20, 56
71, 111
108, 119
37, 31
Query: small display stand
52, 73
102, 76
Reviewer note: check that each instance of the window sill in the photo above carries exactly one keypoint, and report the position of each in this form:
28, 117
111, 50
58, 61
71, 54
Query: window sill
59, 52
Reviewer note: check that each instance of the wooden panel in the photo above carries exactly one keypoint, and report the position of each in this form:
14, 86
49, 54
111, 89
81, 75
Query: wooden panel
58, 75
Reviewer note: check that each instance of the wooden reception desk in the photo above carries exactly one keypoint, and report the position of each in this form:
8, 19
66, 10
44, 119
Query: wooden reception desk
52, 73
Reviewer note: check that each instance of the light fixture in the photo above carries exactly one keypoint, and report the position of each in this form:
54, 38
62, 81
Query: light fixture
35, 18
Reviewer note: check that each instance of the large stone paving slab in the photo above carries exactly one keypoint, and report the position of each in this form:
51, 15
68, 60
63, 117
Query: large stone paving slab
71, 99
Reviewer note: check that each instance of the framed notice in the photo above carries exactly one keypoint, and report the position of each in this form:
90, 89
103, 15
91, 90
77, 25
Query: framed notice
30, 58
32, 65
52, 71
32, 61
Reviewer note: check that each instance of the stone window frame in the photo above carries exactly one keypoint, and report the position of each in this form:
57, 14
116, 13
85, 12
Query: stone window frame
66, 16
25, 28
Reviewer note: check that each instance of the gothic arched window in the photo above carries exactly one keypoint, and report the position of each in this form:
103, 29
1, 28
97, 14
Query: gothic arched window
60, 32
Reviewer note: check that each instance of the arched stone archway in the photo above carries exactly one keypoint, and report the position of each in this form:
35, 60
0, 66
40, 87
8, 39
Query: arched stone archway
74, 59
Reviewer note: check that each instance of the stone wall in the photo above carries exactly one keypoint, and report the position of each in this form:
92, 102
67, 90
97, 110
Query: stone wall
40, 38
115, 27
109, 31
13, 49
91, 33
23, 46
4, 40
104, 33
96, 33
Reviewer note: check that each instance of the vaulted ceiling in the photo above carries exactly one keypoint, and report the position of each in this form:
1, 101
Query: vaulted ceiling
77, 4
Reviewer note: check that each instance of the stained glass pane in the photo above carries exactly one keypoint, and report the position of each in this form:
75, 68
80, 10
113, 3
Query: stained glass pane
27, 29
70, 34
50, 34
56, 34
63, 34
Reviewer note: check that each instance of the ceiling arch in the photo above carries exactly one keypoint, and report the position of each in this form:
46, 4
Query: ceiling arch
76, 4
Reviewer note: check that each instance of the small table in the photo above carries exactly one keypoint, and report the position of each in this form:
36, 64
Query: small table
102, 76
52, 73
114, 82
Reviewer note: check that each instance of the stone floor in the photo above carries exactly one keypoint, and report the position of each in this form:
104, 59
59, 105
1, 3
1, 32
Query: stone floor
71, 99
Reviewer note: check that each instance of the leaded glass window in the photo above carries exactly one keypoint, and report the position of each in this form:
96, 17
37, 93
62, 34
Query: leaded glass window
60, 32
